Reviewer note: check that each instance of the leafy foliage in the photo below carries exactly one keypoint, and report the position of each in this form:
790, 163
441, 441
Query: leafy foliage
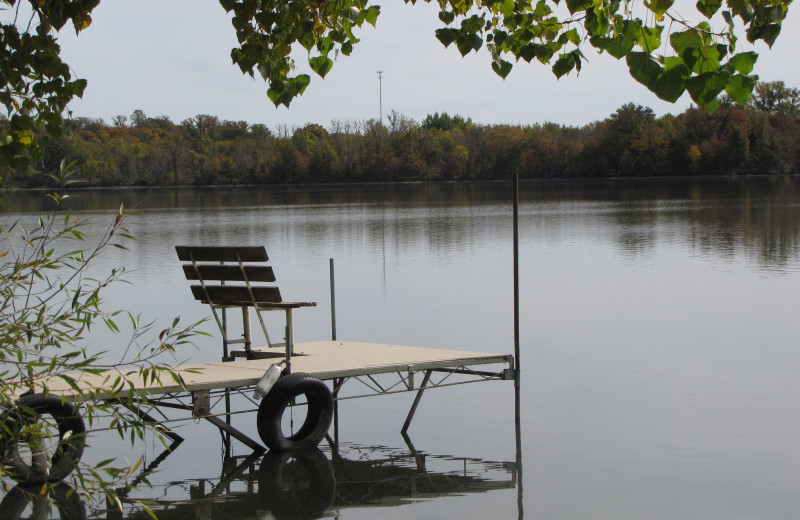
35, 84
665, 52
50, 301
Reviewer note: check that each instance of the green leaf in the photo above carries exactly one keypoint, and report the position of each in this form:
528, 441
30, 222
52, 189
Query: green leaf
726, 15
321, 65
472, 42
659, 7
501, 67
651, 38
227, 4
620, 46
740, 88
563, 65
575, 6
446, 36
372, 14
742, 9
507, 7
708, 7
688, 39
706, 87
667, 82
743, 62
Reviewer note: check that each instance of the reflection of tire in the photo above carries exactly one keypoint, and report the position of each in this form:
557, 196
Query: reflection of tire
71, 433
67, 501
297, 484
319, 413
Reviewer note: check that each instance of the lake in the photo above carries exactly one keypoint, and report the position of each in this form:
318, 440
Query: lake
660, 345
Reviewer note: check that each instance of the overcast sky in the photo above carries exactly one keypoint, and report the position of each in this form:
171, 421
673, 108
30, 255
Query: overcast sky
172, 58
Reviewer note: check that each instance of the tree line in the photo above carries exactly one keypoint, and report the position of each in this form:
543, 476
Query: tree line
759, 138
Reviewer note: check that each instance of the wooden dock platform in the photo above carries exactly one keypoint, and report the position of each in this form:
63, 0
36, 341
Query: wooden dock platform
326, 360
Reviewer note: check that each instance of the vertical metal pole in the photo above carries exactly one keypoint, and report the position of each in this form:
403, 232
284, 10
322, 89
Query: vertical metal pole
289, 340
225, 356
248, 341
517, 380
333, 304
380, 96
227, 439
516, 272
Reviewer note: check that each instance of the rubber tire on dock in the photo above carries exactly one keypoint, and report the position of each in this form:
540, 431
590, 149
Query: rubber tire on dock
319, 413
69, 450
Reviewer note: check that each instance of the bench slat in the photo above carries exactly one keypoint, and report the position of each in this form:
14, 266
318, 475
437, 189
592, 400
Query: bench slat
236, 294
233, 273
222, 253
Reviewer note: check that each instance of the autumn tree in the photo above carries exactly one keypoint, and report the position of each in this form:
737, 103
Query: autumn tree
701, 55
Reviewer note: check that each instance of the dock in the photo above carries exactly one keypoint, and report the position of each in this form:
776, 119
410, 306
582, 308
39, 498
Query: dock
313, 375
325, 360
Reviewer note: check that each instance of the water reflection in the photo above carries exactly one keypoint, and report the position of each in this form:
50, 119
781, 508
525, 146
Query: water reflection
57, 499
757, 218
312, 484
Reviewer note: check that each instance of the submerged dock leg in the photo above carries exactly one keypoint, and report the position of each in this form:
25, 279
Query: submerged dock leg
416, 401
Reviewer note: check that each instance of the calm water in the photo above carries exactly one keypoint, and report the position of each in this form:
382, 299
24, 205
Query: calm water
660, 346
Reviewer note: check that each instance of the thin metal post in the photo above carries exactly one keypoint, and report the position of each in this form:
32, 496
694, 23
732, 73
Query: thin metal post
333, 303
380, 96
289, 340
517, 379
516, 273
248, 341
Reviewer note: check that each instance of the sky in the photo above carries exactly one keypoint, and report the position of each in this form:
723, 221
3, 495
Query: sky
172, 58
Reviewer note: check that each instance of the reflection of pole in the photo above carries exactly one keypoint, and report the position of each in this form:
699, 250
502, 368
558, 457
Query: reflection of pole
518, 438
380, 95
517, 380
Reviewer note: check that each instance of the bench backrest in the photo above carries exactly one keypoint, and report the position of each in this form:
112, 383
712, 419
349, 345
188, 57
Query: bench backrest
235, 279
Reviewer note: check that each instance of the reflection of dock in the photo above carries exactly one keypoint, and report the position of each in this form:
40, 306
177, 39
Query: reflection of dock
313, 483
381, 476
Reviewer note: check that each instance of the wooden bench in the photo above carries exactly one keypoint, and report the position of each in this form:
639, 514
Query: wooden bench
240, 278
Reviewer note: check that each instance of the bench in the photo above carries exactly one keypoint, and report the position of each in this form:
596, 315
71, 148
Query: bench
233, 277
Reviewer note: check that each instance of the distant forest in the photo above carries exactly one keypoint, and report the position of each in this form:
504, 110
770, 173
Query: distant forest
760, 138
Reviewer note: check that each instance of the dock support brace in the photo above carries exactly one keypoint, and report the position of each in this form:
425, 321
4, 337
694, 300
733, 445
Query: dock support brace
417, 399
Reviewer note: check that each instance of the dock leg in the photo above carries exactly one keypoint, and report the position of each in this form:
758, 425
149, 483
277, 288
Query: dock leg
289, 340
248, 341
416, 401
337, 385
227, 436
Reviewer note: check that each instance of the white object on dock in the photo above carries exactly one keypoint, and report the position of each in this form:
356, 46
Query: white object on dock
264, 384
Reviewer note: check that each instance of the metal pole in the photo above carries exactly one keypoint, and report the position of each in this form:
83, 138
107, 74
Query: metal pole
333, 304
516, 273
517, 379
380, 95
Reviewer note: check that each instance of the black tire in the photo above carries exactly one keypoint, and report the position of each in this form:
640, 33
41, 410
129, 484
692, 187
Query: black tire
296, 484
67, 501
71, 433
319, 413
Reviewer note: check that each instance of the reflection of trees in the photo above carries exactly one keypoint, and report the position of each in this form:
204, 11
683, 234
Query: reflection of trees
754, 217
